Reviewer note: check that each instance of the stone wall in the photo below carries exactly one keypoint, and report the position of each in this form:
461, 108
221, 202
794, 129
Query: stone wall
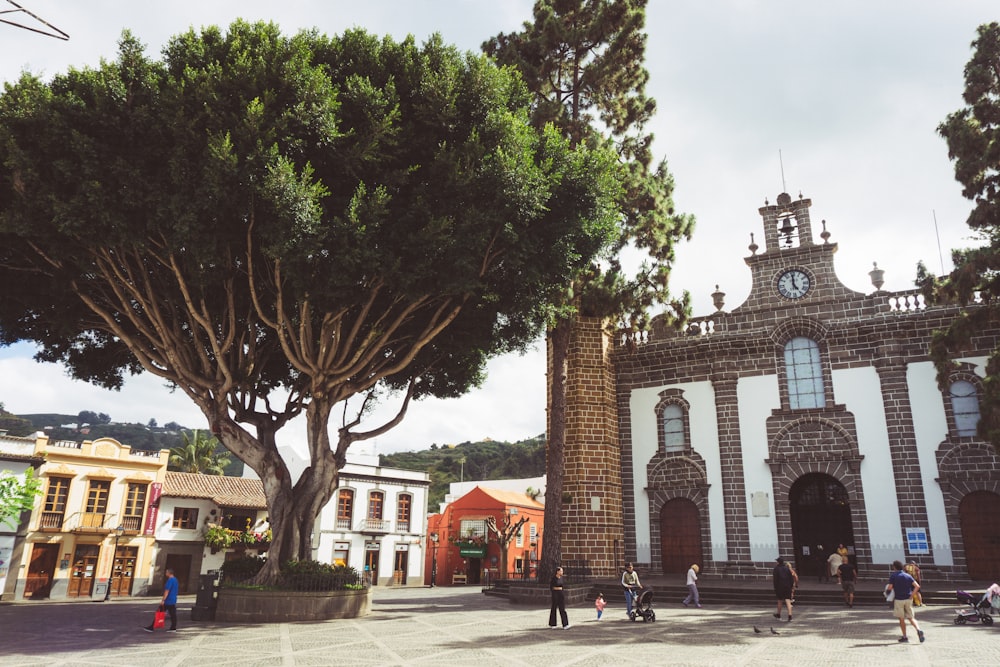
237, 605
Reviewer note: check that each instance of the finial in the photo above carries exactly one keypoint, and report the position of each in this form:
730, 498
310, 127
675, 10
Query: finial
766, 203
800, 194
825, 235
753, 246
719, 299
876, 274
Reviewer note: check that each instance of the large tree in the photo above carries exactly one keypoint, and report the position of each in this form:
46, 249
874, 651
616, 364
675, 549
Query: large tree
284, 226
584, 63
973, 137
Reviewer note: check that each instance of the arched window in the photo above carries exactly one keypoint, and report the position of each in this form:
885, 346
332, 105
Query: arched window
345, 509
804, 370
404, 503
673, 427
965, 406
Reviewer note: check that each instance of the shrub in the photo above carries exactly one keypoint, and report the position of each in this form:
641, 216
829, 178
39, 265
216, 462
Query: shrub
241, 569
311, 575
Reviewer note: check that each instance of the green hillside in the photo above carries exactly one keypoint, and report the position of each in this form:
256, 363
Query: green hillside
484, 460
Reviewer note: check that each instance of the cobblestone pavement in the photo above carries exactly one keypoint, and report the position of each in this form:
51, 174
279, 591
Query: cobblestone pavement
448, 626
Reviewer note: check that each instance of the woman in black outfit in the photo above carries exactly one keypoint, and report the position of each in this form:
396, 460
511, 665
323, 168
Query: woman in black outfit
558, 600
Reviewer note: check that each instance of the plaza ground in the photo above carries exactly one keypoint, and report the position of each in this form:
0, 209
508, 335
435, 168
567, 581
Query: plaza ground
461, 626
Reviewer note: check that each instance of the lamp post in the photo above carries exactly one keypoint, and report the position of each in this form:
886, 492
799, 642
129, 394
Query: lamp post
119, 531
434, 559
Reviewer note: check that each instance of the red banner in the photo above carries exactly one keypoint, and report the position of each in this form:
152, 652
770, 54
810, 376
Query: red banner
153, 508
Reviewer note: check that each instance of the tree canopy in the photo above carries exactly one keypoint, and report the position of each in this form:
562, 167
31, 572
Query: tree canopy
973, 137
276, 225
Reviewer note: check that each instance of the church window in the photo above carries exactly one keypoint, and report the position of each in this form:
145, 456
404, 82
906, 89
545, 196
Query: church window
804, 370
965, 405
673, 428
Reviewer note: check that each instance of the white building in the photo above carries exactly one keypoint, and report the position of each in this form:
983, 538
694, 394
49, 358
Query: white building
375, 522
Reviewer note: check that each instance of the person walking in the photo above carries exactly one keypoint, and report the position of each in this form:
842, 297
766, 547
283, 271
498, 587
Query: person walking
599, 604
823, 569
834, 562
169, 601
692, 579
785, 579
630, 582
903, 587
558, 600
847, 575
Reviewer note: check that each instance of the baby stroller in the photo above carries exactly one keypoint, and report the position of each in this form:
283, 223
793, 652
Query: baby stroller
975, 611
642, 605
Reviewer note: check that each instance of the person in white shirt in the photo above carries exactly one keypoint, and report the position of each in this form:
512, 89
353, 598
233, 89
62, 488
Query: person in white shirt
692, 587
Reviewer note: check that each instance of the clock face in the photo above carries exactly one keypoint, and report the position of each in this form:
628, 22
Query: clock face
793, 284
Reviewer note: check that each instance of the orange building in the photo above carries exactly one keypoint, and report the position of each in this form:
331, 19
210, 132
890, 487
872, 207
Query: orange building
464, 540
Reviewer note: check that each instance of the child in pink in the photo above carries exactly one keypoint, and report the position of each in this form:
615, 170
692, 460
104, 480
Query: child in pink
600, 604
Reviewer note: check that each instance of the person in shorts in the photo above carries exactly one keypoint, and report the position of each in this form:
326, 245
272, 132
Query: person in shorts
903, 586
847, 575
785, 579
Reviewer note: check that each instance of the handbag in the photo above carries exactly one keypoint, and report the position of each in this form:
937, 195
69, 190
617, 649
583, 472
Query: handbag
159, 619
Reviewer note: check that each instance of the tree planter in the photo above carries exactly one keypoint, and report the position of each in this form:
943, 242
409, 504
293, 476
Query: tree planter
541, 595
238, 605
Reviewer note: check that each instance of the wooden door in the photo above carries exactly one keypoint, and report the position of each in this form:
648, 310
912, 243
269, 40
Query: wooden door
399, 568
680, 536
979, 514
41, 570
81, 581
181, 565
820, 510
123, 571
371, 566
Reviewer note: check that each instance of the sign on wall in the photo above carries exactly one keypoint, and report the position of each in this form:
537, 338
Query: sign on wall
153, 508
916, 542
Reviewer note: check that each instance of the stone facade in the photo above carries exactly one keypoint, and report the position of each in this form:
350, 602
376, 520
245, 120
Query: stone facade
811, 417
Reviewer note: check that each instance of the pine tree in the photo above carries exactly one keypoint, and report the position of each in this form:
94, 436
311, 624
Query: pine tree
973, 137
583, 62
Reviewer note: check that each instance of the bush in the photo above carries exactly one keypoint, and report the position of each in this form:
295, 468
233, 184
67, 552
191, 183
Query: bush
311, 575
241, 569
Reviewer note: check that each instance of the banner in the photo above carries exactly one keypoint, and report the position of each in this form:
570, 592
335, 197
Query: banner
153, 508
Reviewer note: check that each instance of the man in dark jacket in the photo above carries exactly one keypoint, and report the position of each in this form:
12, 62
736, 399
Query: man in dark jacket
785, 580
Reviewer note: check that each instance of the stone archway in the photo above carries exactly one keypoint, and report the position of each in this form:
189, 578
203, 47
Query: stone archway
979, 515
820, 512
680, 536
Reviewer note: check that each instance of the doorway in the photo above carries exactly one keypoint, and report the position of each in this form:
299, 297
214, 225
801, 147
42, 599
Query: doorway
979, 517
371, 563
399, 562
821, 515
81, 583
41, 571
123, 571
680, 536
181, 565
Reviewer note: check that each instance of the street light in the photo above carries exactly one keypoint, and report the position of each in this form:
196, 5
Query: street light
434, 559
119, 531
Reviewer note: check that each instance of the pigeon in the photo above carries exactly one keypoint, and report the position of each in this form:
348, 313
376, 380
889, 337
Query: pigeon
756, 629
774, 632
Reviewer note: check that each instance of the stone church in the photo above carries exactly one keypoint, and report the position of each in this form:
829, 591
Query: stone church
808, 416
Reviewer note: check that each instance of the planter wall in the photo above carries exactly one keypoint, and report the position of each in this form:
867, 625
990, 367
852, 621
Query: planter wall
237, 605
540, 595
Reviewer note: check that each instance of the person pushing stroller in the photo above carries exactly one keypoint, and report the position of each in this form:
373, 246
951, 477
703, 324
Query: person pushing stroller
630, 582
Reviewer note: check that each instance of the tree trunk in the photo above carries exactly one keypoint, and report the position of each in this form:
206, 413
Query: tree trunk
559, 337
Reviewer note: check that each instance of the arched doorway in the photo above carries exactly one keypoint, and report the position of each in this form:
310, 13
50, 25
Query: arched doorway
680, 535
821, 515
979, 515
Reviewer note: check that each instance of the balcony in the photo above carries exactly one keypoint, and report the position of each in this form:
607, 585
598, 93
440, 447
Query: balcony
100, 523
374, 526
132, 524
51, 522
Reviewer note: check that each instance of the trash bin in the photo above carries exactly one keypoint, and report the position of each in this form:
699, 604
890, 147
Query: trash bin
208, 597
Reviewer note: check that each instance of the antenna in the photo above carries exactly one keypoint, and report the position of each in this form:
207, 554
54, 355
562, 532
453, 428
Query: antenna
782, 165
938, 235
18, 9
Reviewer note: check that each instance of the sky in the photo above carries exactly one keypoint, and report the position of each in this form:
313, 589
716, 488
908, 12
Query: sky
837, 101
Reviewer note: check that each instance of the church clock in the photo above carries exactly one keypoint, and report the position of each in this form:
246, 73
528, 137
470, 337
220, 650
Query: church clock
793, 284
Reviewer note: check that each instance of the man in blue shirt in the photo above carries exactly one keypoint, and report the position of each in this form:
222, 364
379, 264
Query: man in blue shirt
903, 586
169, 601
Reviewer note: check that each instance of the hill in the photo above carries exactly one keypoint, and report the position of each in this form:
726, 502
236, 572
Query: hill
487, 459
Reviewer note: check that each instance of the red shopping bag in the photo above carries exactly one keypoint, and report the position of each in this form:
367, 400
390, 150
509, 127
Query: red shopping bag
159, 620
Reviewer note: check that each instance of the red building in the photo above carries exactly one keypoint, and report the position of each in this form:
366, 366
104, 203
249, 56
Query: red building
464, 547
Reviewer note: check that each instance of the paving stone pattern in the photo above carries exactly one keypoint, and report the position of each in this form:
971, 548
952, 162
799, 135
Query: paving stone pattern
459, 627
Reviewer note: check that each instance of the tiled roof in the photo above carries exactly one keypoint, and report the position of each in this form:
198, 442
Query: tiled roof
223, 491
512, 497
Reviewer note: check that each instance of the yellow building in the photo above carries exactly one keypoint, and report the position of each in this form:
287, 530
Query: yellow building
94, 522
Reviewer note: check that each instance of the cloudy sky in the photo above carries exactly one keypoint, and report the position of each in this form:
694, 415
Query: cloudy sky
838, 101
